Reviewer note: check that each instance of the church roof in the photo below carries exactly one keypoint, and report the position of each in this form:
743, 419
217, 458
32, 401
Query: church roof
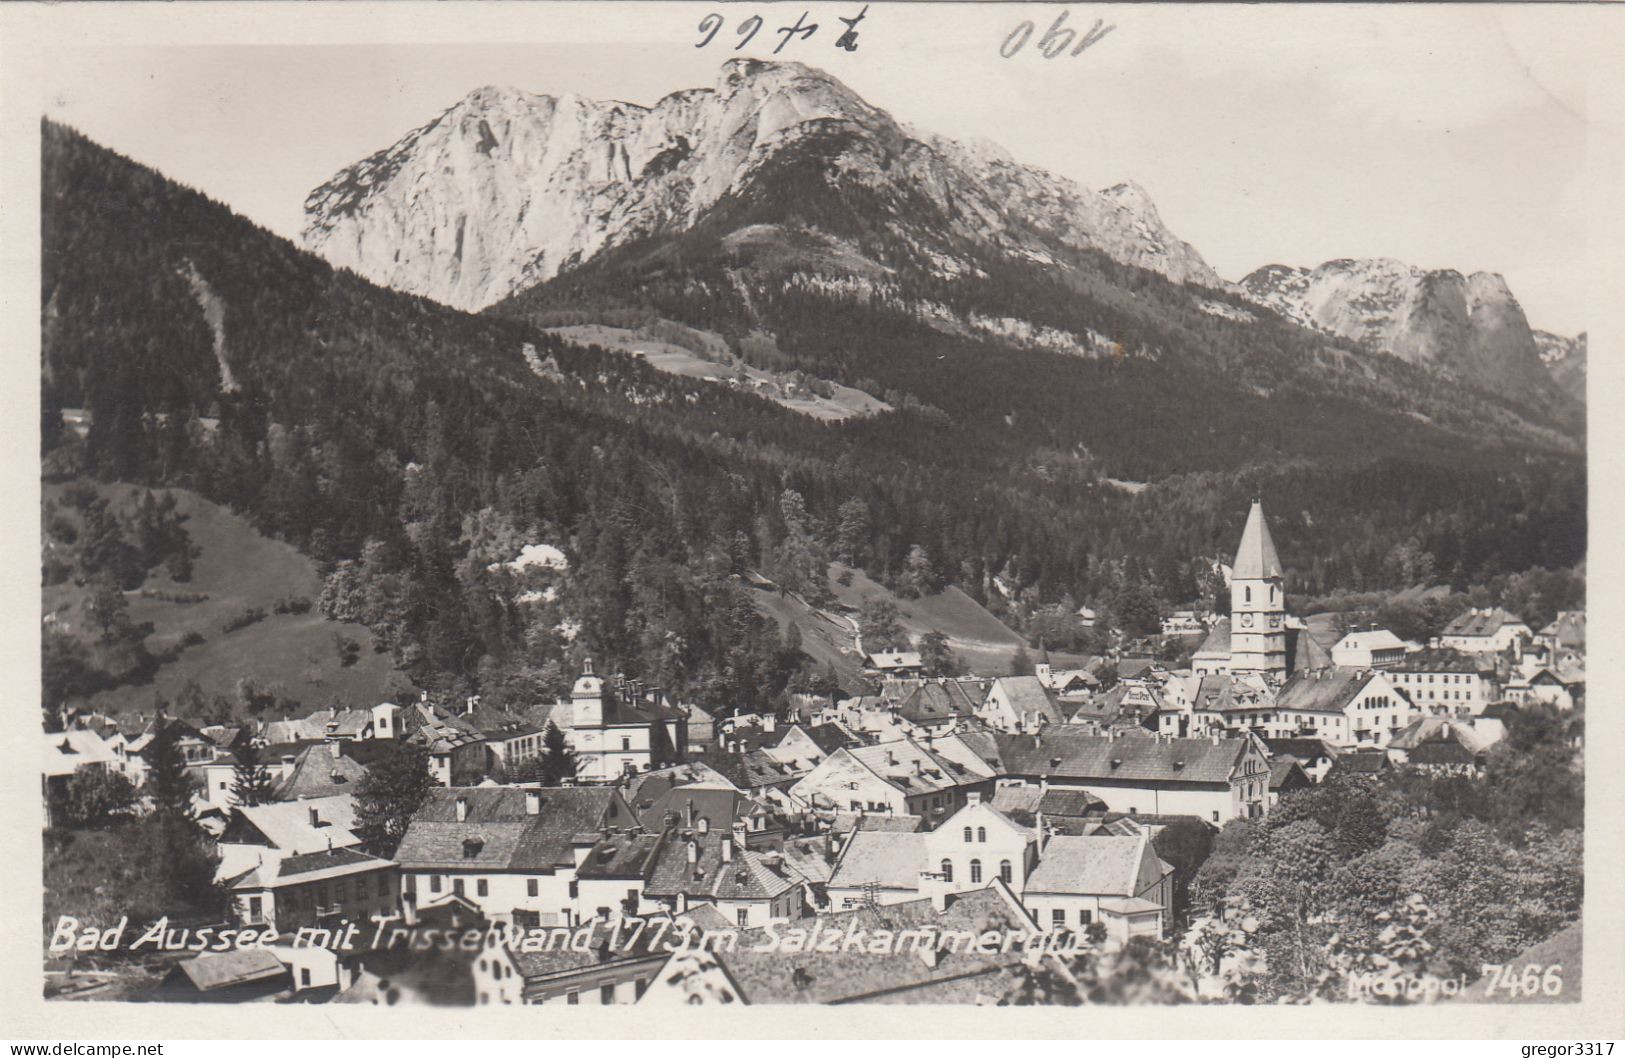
1256, 558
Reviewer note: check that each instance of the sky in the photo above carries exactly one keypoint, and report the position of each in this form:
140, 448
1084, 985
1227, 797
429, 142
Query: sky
1443, 136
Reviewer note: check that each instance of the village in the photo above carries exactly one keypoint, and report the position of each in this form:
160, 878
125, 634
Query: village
1027, 804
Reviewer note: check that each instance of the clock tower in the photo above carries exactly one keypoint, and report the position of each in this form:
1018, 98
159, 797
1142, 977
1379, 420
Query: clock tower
1257, 601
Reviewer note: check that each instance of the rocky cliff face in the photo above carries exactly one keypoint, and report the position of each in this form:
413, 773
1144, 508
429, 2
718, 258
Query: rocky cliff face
1468, 325
1565, 358
507, 189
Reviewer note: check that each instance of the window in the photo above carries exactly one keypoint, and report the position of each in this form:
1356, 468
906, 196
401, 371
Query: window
304, 977
975, 871
947, 870
457, 886
1249, 591
1083, 918
1006, 872
1057, 917
434, 883
606, 995
575, 889
530, 887
573, 997
481, 888
1215, 817
981, 834
743, 915
967, 835
626, 744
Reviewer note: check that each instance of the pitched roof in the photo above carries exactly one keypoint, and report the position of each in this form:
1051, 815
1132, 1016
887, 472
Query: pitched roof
319, 772
1065, 753
1481, 622
1444, 659
1301, 749
750, 875
1217, 641
935, 701
277, 871
1569, 628
1029, 697
1095, 865
1282, 770
889, 859
719, 804
1437, 729
1371, 639
1307, 651
68, 751
848, 822
1256, 558
437, 731
498, 833
224, 969
289, 825
1322, 690
910, 767
767, 973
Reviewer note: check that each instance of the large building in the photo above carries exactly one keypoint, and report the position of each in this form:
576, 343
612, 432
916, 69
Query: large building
1254, 638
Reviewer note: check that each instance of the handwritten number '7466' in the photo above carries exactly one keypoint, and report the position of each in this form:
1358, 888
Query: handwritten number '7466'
712, 24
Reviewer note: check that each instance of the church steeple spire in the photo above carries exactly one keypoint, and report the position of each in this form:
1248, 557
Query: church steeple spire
1257, 601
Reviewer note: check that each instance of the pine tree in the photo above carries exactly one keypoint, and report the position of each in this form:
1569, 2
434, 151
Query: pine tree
250, 780
935, 656
170, 786
392, 792
557, 762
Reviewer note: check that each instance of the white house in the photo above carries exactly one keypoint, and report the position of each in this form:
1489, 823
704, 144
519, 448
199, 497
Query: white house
1489, 630
1377, 648
971, 848
1119, 882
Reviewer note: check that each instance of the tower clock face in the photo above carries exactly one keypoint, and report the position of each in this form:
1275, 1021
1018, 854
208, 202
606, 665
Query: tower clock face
1246, 620
1275, 620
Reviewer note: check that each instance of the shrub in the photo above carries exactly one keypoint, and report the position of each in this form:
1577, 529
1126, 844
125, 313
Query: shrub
252, 615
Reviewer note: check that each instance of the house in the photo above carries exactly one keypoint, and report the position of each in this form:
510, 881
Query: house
258, 834
1447, 681
902, 777
66, 754
510, 852
456, 750
894, 663
940, 705
719, 805
316, 889
615, 729
1566, 632
1019, 703
802, 747
1117, 881
1561, 685
1183, 623
226, 977
1216, 777
685, 868
918, 951
605, 972
1487, 630
1286, 776
1360, 762
1347, 707
974, 846
1315, 755
1064, 811
701, 724
320, 771
1067, 683
512, 740
1441, 744
1377, 648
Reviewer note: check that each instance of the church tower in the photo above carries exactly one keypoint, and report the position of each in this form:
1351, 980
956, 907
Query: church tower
587, 700
1257, 601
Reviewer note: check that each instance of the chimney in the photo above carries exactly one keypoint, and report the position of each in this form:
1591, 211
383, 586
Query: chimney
334, 749
1043, 783
727, 850
462, 809
533, 802
1215, 737
688, 814
1041, 834
973, 797
315, 816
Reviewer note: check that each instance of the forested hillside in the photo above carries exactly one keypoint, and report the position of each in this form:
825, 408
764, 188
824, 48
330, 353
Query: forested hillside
411, 451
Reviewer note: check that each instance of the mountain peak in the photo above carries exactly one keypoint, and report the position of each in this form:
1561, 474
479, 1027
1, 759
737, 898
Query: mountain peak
507, 189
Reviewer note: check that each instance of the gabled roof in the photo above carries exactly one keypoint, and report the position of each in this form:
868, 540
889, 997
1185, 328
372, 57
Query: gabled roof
1067, 753
1302, 749
217, 970
1029, 697
277, 871
719, 804
1286, 771
1569, 629
1256, 558
437, 731
68, 751
1322, 690
887, 858
319, 772
1216, 644
909, 766
1481, 622
1437, 729
935, 701
311, 825
1095, 865
1370, 639
499, 834
1444, 659
770, 974
750, 875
